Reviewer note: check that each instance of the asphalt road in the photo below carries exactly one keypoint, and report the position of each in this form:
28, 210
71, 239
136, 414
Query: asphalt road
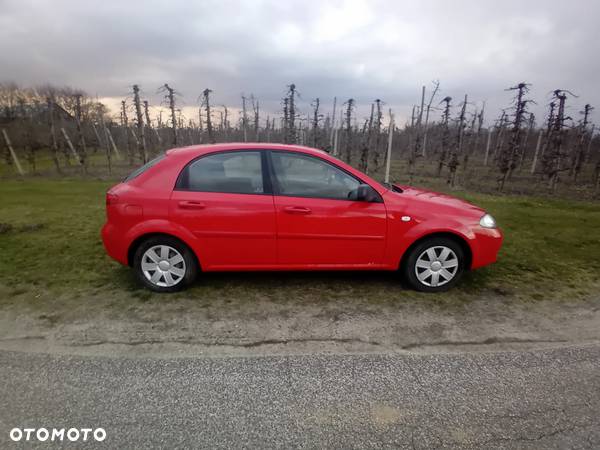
539, 399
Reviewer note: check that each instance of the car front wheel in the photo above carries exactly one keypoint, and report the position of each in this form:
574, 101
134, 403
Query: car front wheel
434, 265
164, 264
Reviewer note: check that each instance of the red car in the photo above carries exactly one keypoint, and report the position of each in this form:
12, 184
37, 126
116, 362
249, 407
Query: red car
239, 207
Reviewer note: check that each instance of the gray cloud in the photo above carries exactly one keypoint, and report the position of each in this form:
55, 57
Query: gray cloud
359, 49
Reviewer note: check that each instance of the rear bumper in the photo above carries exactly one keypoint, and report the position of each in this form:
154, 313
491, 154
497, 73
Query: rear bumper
113, 243
486, 245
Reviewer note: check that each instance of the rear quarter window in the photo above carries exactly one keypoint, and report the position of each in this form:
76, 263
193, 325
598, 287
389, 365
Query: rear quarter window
140, 170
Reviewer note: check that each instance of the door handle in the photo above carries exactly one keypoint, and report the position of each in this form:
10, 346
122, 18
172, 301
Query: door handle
296, 210
186, 204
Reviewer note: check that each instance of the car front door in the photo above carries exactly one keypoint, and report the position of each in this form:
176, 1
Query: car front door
225, 200
317, 224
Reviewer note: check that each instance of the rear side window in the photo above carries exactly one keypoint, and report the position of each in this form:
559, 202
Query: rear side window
231, 172
137, 172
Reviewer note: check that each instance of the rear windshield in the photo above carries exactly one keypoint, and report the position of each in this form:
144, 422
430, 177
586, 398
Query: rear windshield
141, 170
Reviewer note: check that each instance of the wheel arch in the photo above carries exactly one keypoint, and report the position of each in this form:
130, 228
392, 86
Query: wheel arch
143, 237
460, 240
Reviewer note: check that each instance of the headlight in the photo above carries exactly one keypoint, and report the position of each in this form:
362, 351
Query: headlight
487, 221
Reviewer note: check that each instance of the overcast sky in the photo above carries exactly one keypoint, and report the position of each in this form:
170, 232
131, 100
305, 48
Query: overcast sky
359, 49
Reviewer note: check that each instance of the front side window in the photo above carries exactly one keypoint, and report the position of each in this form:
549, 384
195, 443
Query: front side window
231, 172
305, 176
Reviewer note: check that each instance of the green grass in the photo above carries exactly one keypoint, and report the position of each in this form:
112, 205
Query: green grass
62, 251
550, 247
50, 243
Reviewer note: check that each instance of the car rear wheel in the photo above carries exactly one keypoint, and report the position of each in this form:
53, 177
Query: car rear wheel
164, 264
434, 265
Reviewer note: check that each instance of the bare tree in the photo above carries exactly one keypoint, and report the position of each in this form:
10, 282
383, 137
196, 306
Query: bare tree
286, 114
315, 122
475, 136
244, 118
530, 127
416, 148
555, 154
82, 148
457, 147
367, 138
147, 114
436, 87
170, 96
206, 104
388, 158
578, 156
377, 131
256, 112
291, 105
140, 123
509, 156
445, 135
331, 135
52, 126
349, 111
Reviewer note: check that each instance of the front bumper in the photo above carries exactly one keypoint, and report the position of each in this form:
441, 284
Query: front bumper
486, 245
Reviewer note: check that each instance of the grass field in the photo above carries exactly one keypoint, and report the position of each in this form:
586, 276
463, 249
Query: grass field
50, 243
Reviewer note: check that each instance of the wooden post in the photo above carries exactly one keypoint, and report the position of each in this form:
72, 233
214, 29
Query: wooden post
157, 136
436, 85
12, 153
419, 125
388, 160
537, 150
125, 127
487, 147
135, 138
588, 154
525, 141
268, 129
96, 134
70, 144
112, 142
335, 142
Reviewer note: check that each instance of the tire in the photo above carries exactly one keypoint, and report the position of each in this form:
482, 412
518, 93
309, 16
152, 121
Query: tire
164, 264
434, 265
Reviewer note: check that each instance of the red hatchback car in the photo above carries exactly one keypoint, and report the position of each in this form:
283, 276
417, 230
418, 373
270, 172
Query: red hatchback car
238, 207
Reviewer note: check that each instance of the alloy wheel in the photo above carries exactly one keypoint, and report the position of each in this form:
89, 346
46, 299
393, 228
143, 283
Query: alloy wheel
436, 266
163, 266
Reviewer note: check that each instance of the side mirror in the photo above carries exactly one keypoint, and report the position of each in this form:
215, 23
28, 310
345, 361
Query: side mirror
364, 193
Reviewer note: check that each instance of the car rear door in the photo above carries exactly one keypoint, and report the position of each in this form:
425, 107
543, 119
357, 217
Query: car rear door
317, 225
226, 201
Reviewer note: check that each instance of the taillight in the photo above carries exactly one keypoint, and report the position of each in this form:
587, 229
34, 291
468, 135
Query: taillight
111, 199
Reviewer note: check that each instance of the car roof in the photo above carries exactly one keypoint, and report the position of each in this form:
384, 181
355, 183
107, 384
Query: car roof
197, 150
